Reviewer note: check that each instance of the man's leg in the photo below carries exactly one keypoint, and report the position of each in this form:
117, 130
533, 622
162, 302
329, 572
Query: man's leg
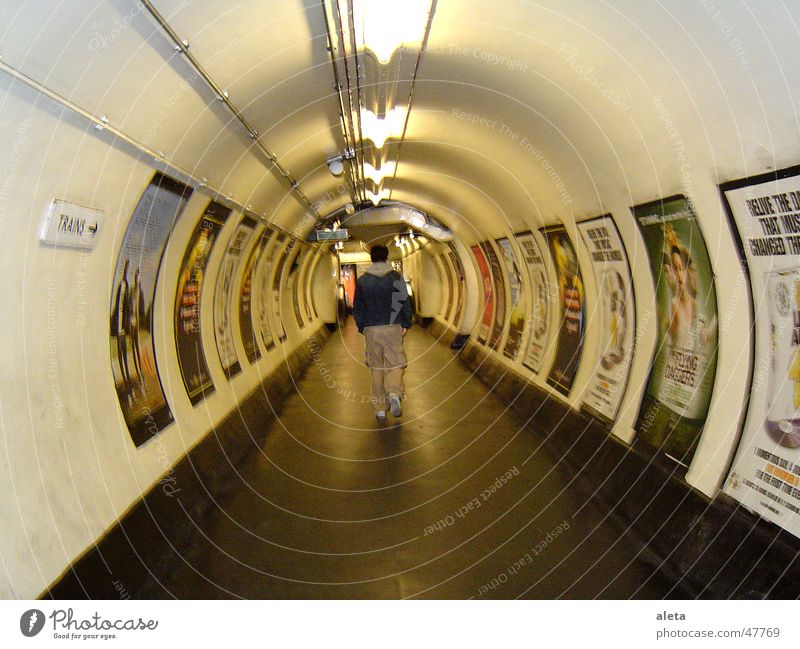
375, 362
395, 358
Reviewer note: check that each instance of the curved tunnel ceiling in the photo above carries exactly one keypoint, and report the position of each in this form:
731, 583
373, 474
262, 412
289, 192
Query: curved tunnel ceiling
524, 113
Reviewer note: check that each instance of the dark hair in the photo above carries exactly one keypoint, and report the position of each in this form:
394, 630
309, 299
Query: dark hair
379, 253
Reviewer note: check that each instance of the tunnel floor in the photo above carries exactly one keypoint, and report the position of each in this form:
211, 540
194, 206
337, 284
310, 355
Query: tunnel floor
451, 500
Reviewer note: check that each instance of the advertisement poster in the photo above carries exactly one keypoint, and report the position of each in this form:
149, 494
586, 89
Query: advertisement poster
681, 379
283, 255
223, 296
516, 318
499, 294
294, 285
571, 296
539, 321
614, 316
765, 475
485, 327
246, 330
459, 286
188, 338
133, 357
263, 297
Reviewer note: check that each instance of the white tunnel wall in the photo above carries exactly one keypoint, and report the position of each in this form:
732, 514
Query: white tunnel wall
68, 467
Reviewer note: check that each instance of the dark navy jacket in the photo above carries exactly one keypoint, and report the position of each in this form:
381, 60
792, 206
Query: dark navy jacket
381, 298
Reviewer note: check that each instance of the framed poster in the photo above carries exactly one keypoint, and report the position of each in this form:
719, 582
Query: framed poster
264, 270
133, 358
188, 302
458, 269
283, 255
295, 287
615, 316
485, 327
571, 296
765, 475
539, 322
681, 381
499, 294
246, 329
223, 296
516, 318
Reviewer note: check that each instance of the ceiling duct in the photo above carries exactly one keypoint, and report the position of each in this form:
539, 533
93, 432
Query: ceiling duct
392, 213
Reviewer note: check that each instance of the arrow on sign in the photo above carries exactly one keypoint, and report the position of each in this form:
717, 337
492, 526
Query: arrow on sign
92, 229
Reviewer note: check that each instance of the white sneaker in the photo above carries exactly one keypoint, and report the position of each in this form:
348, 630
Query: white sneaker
394, 405
380, 415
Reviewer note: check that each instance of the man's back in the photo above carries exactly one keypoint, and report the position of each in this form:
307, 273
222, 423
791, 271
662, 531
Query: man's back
381, 298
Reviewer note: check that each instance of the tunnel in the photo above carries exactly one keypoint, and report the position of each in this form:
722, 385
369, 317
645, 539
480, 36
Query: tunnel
591, 211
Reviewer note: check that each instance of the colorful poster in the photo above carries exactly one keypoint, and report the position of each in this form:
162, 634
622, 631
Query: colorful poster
681, 379
614, 316
458, 269
246, 329
499, 294
485, 327
765, 475
223, 296
188, 336
133, 357
539, 322
276, 290
573, 314
264, 294
516, 318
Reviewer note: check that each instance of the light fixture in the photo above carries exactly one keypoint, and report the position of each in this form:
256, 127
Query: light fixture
349, 208
378, 130
377, 198
386, 170
384, 26
336, 166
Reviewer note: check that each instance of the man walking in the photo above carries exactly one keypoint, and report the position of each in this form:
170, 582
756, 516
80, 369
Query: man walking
383, 314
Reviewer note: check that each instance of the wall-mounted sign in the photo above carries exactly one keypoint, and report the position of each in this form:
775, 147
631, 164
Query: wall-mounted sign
70, 225
573, 313
614, 316
681, 381
765, 475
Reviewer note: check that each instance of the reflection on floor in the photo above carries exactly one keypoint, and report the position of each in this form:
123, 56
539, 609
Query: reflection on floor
452, 500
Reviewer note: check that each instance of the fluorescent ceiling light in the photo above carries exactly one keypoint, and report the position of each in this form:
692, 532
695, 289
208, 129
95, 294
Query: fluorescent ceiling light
379, 130
377, 198
384, 26
377, 175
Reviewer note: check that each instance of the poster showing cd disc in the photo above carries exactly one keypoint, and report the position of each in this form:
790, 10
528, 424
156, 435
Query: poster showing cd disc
614, 316
223, 296
765, 475
485, 327
572, 312
538, 324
